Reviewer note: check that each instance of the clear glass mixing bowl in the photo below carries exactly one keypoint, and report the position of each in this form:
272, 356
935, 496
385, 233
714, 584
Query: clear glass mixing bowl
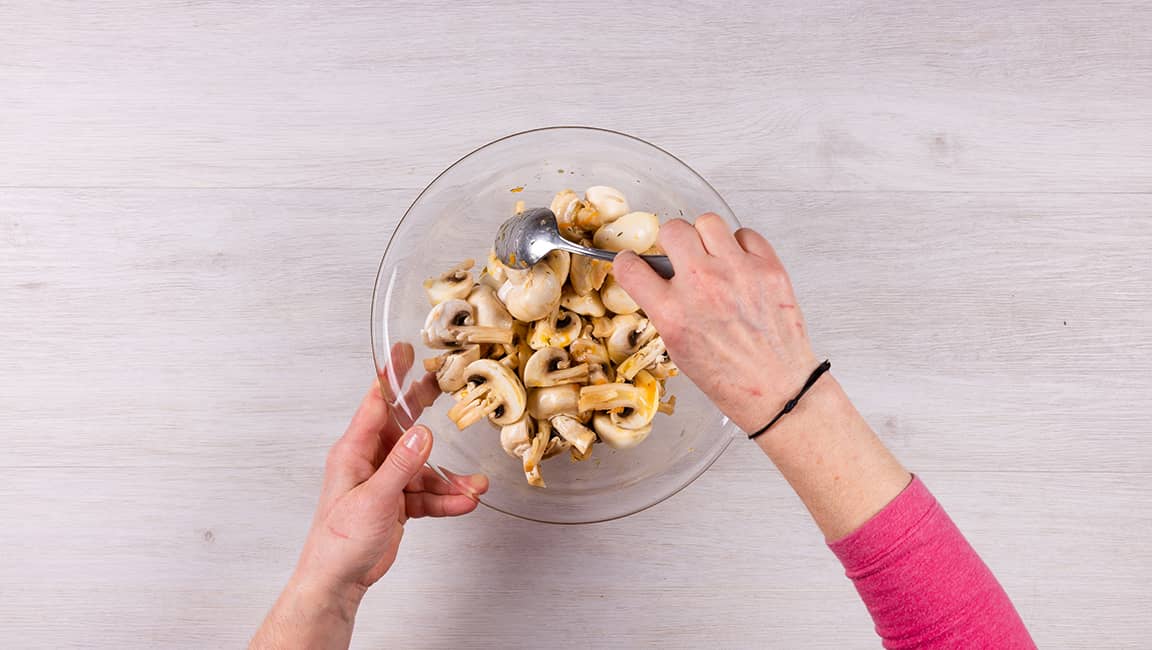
456, 217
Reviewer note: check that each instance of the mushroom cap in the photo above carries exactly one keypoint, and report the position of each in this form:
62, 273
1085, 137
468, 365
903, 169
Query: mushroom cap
452, 374
588, 304
615, 298
560, 262
587, 274
516, 438
551, 366
609, 202
505, 388
649, 389
439, 326
535, 296
548, 402
489, 311
571, 430
635, 231
454, 284
588, 350
559, 329
618, 437
629, 333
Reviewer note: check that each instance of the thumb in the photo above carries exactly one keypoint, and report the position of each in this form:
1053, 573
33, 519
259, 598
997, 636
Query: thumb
404, 462
640, 281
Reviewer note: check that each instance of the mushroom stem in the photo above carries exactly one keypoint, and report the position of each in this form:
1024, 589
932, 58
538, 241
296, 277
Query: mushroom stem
609, 396
571, 430
472, 406
482, 334
668, 407
642, 358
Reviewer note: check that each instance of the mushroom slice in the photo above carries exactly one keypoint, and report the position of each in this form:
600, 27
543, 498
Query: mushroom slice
566, 205
609, 202
559, 329
615, 298
551, 366
441, 326
579, 457
587, 274
491, 390
532, 296
611, 396
668, 407
646, 356
556, 446
571, 430
618, 437
536, 454
602, 327
629, 334
588, 304
488, 310
664, 368
548, 402
516, 438
453, 285
588, 350
638, 418
635, 231
451, 375
600, 373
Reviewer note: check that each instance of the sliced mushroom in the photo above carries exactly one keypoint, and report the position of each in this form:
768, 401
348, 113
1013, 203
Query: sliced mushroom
559, 329
587, 274
588, 304
556, 446
646, 356
668, 406
600, 373
488, 309
560, 262
616, 395
516, 438
452, 373
638, 418
615, 436
567, 206
441, 326
579, 457
551, 366
635, 231
453, 285
615, 298
664, 368
536, 454
603, 327
491, 390
571, 430
629, 334
546, 403
533, 296
609, 202
588, 350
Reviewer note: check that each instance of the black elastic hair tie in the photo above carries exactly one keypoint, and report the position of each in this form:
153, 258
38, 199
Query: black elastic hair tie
820, 370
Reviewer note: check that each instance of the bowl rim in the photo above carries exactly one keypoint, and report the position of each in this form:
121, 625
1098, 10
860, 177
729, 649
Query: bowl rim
727, 425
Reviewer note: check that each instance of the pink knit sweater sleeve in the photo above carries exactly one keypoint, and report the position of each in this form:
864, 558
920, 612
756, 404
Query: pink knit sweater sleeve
923, 584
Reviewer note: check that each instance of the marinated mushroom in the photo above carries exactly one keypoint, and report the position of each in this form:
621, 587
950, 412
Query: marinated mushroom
551, 366
441, 326
454, 284
588, 304
629, 333
560, 262
574, 432
559, 329
451, 373
648, 389
532, 296
616, 395
546, 403
491, 390
635, 231
488, 309
587, 274
609, 202
615, 436
646, 356
615, 298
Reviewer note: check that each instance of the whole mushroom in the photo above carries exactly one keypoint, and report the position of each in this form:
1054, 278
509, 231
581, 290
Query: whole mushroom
533, 296
635, 231
615, 298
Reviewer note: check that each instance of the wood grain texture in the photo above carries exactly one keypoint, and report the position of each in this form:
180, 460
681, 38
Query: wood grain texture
194, 198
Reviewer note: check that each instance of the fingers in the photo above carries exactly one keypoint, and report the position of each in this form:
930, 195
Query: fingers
716, 236
358, 453
421, 394
755, 244
681, 241
404, 462
426, 504
429, 481
642, 283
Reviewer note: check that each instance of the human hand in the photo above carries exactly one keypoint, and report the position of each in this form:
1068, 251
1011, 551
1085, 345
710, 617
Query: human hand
729, 317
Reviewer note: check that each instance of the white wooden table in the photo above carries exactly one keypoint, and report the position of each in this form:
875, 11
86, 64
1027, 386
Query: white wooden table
194, 198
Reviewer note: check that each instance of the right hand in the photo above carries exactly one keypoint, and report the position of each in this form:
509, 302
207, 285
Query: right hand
728, 317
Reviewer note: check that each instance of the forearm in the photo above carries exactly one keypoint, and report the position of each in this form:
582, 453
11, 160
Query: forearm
832, 459
309, 615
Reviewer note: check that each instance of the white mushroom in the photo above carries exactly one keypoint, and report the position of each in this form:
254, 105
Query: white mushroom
559, 329
638, 418
571, 430
567, 207
536, 454
603, 327
516, 438
546, 403
646, 356
556, 445
492, 390
454, 284
615, 298
608, 201
588, 304
533, 296
440, 327
560, 262
451, 375
629, 333
551, 366
488, 309
635, 231
618, 437
616, 395
587, 273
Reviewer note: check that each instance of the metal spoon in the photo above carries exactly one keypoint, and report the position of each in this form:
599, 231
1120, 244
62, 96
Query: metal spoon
527, 237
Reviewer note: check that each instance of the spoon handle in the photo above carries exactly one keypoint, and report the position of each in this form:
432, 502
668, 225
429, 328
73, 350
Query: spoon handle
659, 263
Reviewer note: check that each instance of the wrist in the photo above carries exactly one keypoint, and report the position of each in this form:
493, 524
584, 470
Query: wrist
320, 596
823, 407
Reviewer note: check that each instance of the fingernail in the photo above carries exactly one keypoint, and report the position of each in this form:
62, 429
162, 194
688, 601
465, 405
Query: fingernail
416, 438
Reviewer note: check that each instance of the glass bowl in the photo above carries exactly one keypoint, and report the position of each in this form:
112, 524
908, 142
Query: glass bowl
455, 218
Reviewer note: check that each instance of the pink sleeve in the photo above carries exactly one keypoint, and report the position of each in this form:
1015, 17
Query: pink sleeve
924, 586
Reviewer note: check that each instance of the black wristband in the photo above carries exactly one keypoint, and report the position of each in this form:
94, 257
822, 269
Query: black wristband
820, 370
